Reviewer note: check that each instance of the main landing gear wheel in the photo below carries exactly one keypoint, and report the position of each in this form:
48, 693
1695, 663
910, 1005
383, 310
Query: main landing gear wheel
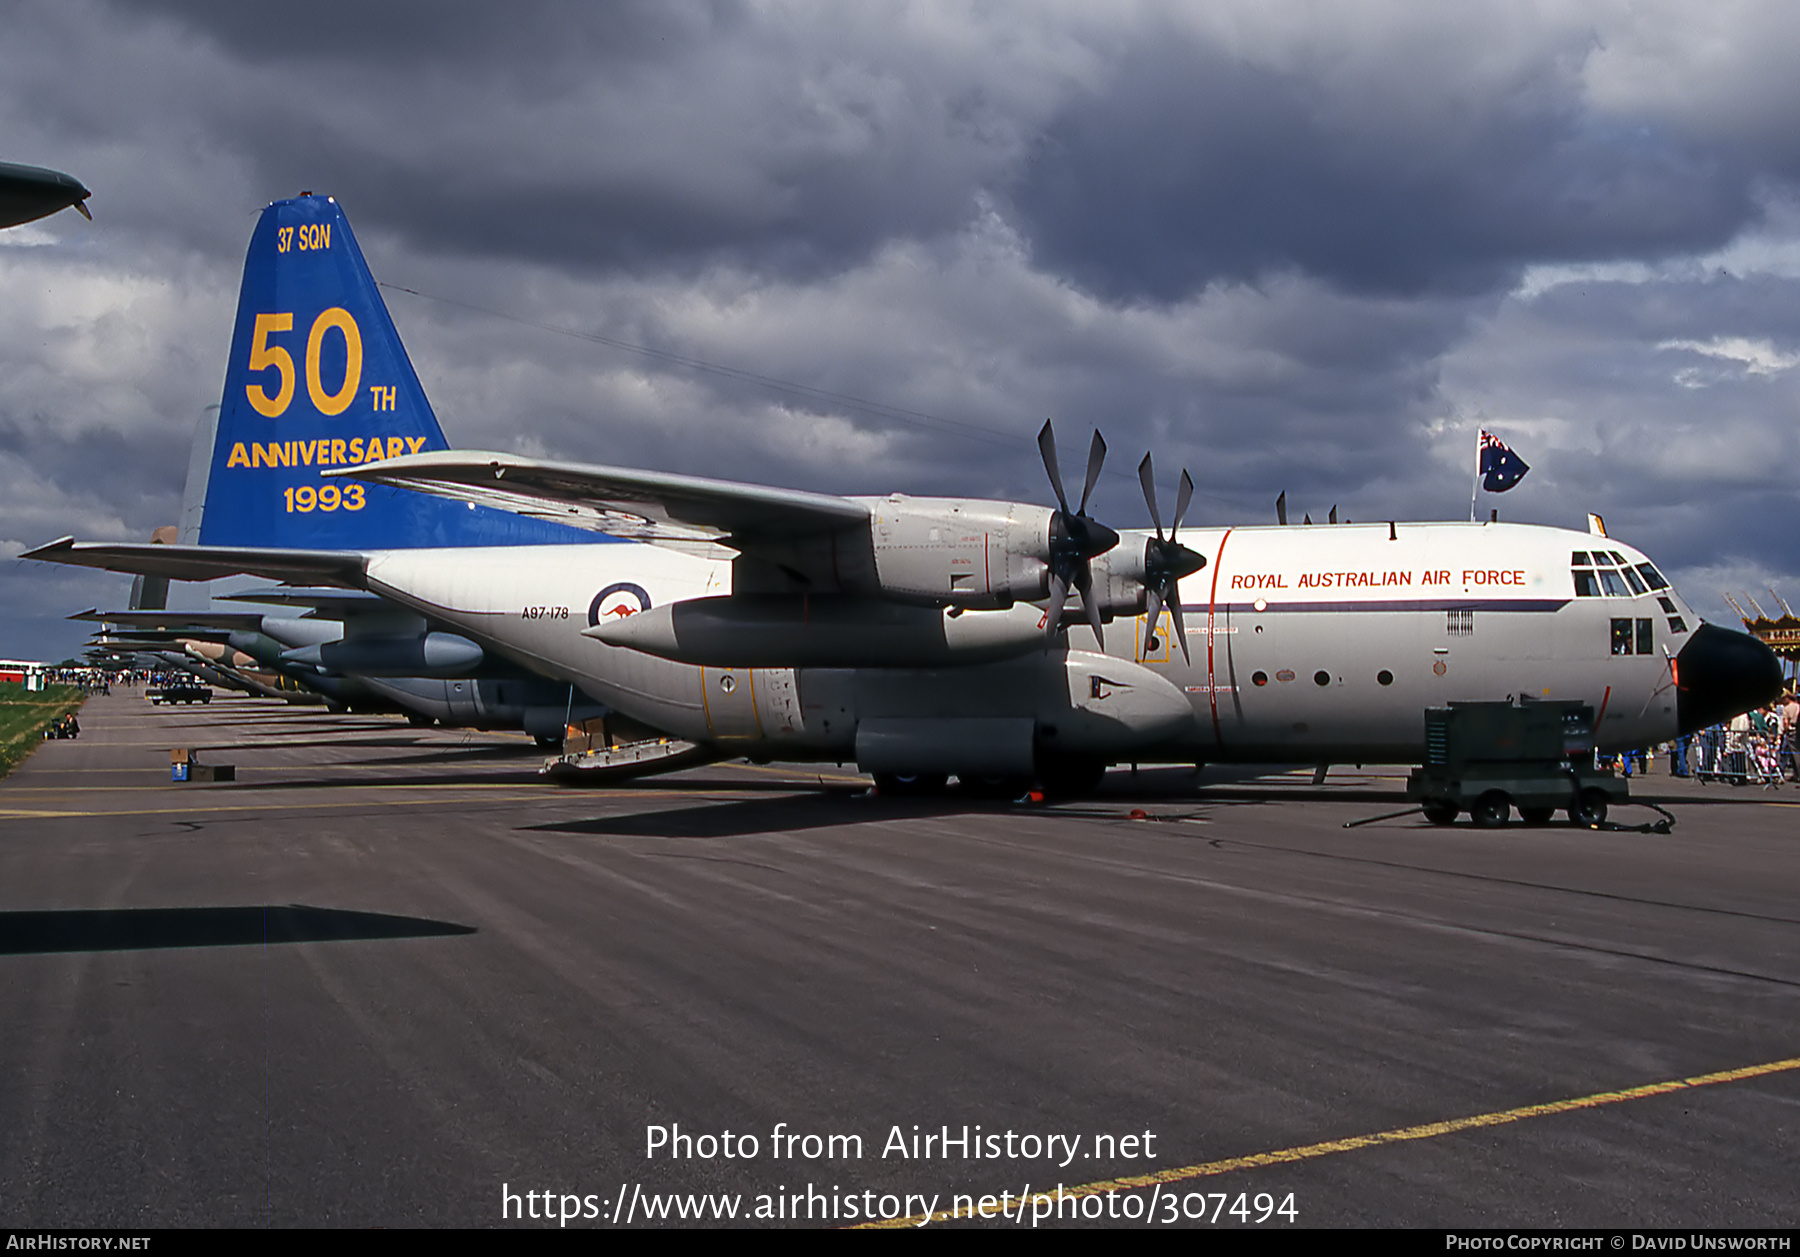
1590, 809
910, 784
1439, 812
1491, 810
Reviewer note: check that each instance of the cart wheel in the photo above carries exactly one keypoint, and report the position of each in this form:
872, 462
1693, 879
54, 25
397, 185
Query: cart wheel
1491, 810
1536, 815
1440, 812
1590, 809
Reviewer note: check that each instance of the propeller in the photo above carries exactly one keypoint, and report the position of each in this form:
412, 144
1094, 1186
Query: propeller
1074, 538
1166, 561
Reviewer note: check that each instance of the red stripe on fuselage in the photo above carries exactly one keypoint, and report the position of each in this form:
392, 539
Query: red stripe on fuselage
1212, 607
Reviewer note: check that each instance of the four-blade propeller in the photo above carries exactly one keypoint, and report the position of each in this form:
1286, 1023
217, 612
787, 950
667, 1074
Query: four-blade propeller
1074, 538
1166, 561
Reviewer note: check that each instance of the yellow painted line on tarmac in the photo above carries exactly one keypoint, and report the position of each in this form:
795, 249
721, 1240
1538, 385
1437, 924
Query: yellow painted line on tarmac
1307, 1152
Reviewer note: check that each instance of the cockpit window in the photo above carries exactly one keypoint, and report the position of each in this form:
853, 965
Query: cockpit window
1585, 584
1633, 579
1578, 559
1652, 577
1609, 581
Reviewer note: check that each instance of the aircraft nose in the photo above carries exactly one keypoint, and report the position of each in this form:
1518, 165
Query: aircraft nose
1721, 673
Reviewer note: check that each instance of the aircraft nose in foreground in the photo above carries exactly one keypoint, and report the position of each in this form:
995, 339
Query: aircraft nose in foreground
1722, 673
30, 192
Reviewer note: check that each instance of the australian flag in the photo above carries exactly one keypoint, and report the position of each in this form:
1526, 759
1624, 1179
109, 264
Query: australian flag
1501, 469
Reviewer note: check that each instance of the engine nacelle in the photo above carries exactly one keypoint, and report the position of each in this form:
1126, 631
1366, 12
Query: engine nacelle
960, 552
1122, 576
942, 552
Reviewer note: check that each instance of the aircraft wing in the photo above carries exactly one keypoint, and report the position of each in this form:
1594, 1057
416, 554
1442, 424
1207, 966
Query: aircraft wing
641, 505
179, 562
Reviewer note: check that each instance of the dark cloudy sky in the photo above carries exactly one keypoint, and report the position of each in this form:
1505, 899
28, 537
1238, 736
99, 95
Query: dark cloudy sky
1295, 246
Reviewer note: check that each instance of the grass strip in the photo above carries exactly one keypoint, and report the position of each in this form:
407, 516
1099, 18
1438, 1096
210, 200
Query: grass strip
23, 715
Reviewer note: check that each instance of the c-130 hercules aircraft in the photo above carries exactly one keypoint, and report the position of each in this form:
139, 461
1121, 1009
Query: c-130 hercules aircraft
920, 638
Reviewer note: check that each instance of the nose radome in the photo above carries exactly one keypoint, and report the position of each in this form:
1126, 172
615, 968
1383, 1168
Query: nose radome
1719, 674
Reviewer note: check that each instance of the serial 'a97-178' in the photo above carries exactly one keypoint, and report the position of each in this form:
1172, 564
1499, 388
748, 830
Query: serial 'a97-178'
919, 638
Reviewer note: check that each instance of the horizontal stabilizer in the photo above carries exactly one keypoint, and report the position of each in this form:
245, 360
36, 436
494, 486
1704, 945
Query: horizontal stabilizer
313, 567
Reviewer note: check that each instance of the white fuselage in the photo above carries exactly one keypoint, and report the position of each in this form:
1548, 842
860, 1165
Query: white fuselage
1308, 644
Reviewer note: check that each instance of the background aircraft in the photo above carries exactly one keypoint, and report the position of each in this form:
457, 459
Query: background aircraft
919, 637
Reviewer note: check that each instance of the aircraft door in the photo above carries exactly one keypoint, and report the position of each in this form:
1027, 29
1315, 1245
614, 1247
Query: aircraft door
729, 697
1254, 682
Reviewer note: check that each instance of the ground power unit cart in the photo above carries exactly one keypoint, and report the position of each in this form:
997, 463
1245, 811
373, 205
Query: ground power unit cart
1488, 758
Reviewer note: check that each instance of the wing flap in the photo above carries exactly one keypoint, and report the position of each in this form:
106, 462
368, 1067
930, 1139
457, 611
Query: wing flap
641, 505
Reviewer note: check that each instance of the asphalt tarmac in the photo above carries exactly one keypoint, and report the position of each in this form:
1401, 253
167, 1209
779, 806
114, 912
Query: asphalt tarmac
389, 978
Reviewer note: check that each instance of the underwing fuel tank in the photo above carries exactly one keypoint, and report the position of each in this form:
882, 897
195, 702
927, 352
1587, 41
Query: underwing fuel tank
423, 655
804, 631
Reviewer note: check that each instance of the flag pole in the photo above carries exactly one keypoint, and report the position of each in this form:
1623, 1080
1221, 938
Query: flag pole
1475, 486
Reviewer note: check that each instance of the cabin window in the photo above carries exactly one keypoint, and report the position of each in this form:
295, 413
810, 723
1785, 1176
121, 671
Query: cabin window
1321, 678
1384, 677
1633, 637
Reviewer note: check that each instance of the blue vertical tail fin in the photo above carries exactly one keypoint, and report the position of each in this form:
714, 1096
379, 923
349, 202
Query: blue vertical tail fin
318, 378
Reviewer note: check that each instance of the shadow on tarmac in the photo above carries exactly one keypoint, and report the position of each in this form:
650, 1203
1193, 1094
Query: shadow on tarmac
142, 929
